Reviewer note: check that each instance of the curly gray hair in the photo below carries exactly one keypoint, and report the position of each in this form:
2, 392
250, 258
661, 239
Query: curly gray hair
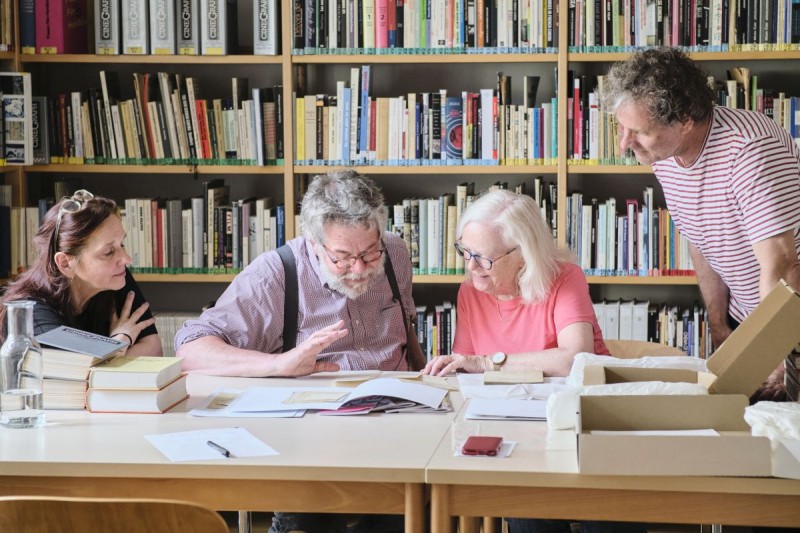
341, 197
671, 87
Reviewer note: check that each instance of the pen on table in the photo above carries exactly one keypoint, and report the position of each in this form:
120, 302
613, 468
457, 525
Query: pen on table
219, 448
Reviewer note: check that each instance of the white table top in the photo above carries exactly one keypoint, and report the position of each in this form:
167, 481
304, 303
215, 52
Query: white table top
549, 459
377, 447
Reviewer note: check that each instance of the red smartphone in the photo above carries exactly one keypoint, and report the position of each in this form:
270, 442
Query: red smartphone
482, 445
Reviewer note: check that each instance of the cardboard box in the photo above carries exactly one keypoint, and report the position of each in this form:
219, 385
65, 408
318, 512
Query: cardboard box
737, 369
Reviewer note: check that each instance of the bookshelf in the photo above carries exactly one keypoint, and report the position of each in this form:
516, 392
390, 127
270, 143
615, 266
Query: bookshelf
314, 70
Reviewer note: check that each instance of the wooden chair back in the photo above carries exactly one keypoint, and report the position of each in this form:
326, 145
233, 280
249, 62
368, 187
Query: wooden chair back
41, 514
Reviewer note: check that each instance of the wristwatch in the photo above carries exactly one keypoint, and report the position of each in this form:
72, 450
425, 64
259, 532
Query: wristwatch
498, 360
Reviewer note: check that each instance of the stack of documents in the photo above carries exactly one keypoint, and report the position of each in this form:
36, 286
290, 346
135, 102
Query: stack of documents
381, 394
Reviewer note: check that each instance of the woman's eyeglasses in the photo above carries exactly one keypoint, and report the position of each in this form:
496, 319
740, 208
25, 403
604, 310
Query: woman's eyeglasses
72, 204
484, 262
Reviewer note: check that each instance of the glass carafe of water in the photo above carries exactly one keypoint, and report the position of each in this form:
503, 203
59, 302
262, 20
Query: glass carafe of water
21, 402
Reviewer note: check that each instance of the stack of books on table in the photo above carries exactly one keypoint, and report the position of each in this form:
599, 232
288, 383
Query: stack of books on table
68, 355
136, 385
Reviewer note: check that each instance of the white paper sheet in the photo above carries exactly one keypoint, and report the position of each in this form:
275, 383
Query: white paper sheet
193, 445
493, 409
217, 404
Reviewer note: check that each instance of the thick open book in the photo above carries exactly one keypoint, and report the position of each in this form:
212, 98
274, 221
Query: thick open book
260, 399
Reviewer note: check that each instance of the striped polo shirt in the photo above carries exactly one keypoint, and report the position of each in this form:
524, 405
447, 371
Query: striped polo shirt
743, 188
249, 314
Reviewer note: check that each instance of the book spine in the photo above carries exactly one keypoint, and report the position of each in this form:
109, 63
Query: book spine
40, 129
61, 26
265, 28
27, 26
213, 27
188, 31
107, 27
134, 27
162, 27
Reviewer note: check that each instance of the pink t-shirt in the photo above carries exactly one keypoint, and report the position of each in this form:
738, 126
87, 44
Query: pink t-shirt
485, 325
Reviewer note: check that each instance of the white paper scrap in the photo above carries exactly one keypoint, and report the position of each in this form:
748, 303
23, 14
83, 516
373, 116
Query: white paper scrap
193, 445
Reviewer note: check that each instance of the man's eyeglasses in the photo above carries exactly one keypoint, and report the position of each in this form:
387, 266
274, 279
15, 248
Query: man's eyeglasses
484, 262
70, 205
369, 256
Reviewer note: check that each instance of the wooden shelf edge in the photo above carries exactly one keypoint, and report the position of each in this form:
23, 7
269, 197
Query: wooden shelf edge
574, 169
433, 279
641, 280
460, 169
232, 59
749, 55
184, 278
549, 57
157, 169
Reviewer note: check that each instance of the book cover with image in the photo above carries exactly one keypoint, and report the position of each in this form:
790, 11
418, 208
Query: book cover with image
17, 147
453, 129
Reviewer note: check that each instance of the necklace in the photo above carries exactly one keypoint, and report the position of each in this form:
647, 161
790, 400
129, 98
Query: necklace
510, 312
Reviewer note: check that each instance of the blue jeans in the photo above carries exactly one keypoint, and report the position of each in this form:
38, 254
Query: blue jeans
336, 523
538, 525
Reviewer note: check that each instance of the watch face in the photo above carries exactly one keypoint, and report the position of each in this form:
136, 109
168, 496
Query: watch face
498, 358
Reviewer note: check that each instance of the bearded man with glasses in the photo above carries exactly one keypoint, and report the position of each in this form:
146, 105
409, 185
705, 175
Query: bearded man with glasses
347, 315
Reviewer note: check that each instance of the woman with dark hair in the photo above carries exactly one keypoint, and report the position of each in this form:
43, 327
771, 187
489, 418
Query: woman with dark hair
80, 279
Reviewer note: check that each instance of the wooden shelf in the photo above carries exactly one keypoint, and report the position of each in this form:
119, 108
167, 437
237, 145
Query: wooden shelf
184, 278
151, 59
641, 280
416, 59
602, 57
609, 169
428, 170
157, 169
433, 279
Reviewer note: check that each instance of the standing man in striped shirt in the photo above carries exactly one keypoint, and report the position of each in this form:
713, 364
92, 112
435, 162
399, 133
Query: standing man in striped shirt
731, 180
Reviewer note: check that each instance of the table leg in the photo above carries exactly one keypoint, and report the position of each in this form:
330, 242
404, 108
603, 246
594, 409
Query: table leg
415, 508
469, 524
492, 524
440, 509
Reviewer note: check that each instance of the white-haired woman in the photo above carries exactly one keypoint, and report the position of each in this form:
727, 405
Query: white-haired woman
525, 304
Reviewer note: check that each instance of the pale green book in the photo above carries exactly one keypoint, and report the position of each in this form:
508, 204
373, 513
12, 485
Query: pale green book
128, 372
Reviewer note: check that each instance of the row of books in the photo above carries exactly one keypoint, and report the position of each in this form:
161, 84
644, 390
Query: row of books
141, 27
84, 370
201, 234
683, 328
378, 26
167, 122
636, 239
704, 25
436, 328
429, 128
594, 135
428, 225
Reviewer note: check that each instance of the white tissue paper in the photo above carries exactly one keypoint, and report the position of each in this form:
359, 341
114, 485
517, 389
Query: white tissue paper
584, 359
562, 407
780, 423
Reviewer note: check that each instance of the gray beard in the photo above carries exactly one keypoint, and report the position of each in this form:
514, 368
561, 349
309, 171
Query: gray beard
337, 281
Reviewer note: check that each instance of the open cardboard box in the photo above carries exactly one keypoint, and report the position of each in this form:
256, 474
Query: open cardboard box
736, 369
